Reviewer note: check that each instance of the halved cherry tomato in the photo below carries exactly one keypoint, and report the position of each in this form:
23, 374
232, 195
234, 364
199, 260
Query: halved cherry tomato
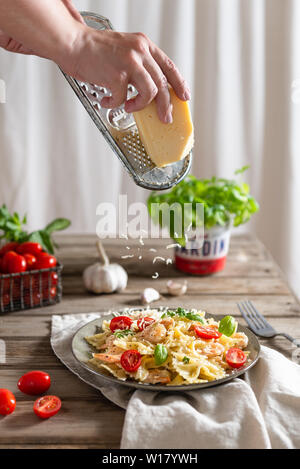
34, 383
47, 406
29, 248
235, 357
207, 333
30, 261
120, 322
13, 263
8, 247
7, 402
144, 322
45, 261
131, 360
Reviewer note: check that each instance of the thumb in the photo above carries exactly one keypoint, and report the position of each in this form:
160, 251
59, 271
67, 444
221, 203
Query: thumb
75, 13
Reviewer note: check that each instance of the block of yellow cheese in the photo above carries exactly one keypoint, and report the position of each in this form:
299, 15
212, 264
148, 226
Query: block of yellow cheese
166, 143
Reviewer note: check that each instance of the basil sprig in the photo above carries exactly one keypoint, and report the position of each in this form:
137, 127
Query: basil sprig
160, 354
12, 229
228, 326
123, 333
182, 313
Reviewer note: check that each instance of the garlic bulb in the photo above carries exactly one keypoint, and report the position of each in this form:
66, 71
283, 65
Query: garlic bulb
149, 295
175, 288
104, 277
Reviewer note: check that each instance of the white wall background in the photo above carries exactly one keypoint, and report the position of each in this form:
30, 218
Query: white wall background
242, 60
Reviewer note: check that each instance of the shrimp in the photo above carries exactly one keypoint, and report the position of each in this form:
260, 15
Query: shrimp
240, 339
154, 333
167, 322
158, 376
214, 349
107, 357
110, 348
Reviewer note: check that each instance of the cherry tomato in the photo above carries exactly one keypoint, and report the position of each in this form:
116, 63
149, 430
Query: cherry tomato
29, 248
235, 357
8, 247
120, 322
5, 299
52, 279
144, 322
45, 261
36, 300
47, 406
30, 261
34, 383
13, 263
207, 333
7, 402
52, 293
0, 264
131, 360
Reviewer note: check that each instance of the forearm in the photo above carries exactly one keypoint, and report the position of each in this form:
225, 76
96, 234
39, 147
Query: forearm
44, 26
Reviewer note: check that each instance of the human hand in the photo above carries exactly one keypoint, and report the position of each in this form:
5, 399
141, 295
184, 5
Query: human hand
113, 60
11, 45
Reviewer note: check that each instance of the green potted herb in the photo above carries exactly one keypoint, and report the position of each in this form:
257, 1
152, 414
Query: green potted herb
225, 203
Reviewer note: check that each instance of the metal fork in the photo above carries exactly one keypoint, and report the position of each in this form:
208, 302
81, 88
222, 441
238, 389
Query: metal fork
259, 325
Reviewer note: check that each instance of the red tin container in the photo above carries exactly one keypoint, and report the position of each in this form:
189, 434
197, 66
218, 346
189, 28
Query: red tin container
207, 259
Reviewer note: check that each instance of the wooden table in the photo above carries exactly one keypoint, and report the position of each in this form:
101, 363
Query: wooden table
87, 419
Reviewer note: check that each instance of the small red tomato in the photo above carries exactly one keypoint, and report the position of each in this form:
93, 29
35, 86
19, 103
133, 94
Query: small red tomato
49, 279
207, 333
49, 294
5, 299
34, 383
120, 323
8, 247
47, 406
29, 248
235, 357
35, 299
30, 261
0, 264
45, 261
13, 263
131, 360
7, 402
144, 322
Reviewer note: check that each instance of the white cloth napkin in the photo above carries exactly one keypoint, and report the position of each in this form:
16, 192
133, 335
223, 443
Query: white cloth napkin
260, 411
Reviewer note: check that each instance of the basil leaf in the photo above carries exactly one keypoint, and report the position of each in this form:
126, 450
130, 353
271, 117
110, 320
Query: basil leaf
223, 200
194, 317
227, 326
57, 225
123, 333
186, 360
160, 354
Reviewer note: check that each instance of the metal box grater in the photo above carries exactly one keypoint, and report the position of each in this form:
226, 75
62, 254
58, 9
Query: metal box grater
120, 131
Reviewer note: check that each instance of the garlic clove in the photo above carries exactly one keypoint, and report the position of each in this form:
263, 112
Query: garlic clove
149, 295
176, 288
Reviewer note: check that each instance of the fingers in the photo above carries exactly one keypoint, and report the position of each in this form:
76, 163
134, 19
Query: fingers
171, 72
147, 90
164, 107
118, 90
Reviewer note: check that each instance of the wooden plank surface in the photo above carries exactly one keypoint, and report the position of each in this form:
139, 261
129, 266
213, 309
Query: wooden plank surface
87, 419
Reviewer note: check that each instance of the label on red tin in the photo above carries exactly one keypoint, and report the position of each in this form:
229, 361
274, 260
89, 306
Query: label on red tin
214, 246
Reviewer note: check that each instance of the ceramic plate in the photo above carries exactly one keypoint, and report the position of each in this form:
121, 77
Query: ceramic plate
82, 352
